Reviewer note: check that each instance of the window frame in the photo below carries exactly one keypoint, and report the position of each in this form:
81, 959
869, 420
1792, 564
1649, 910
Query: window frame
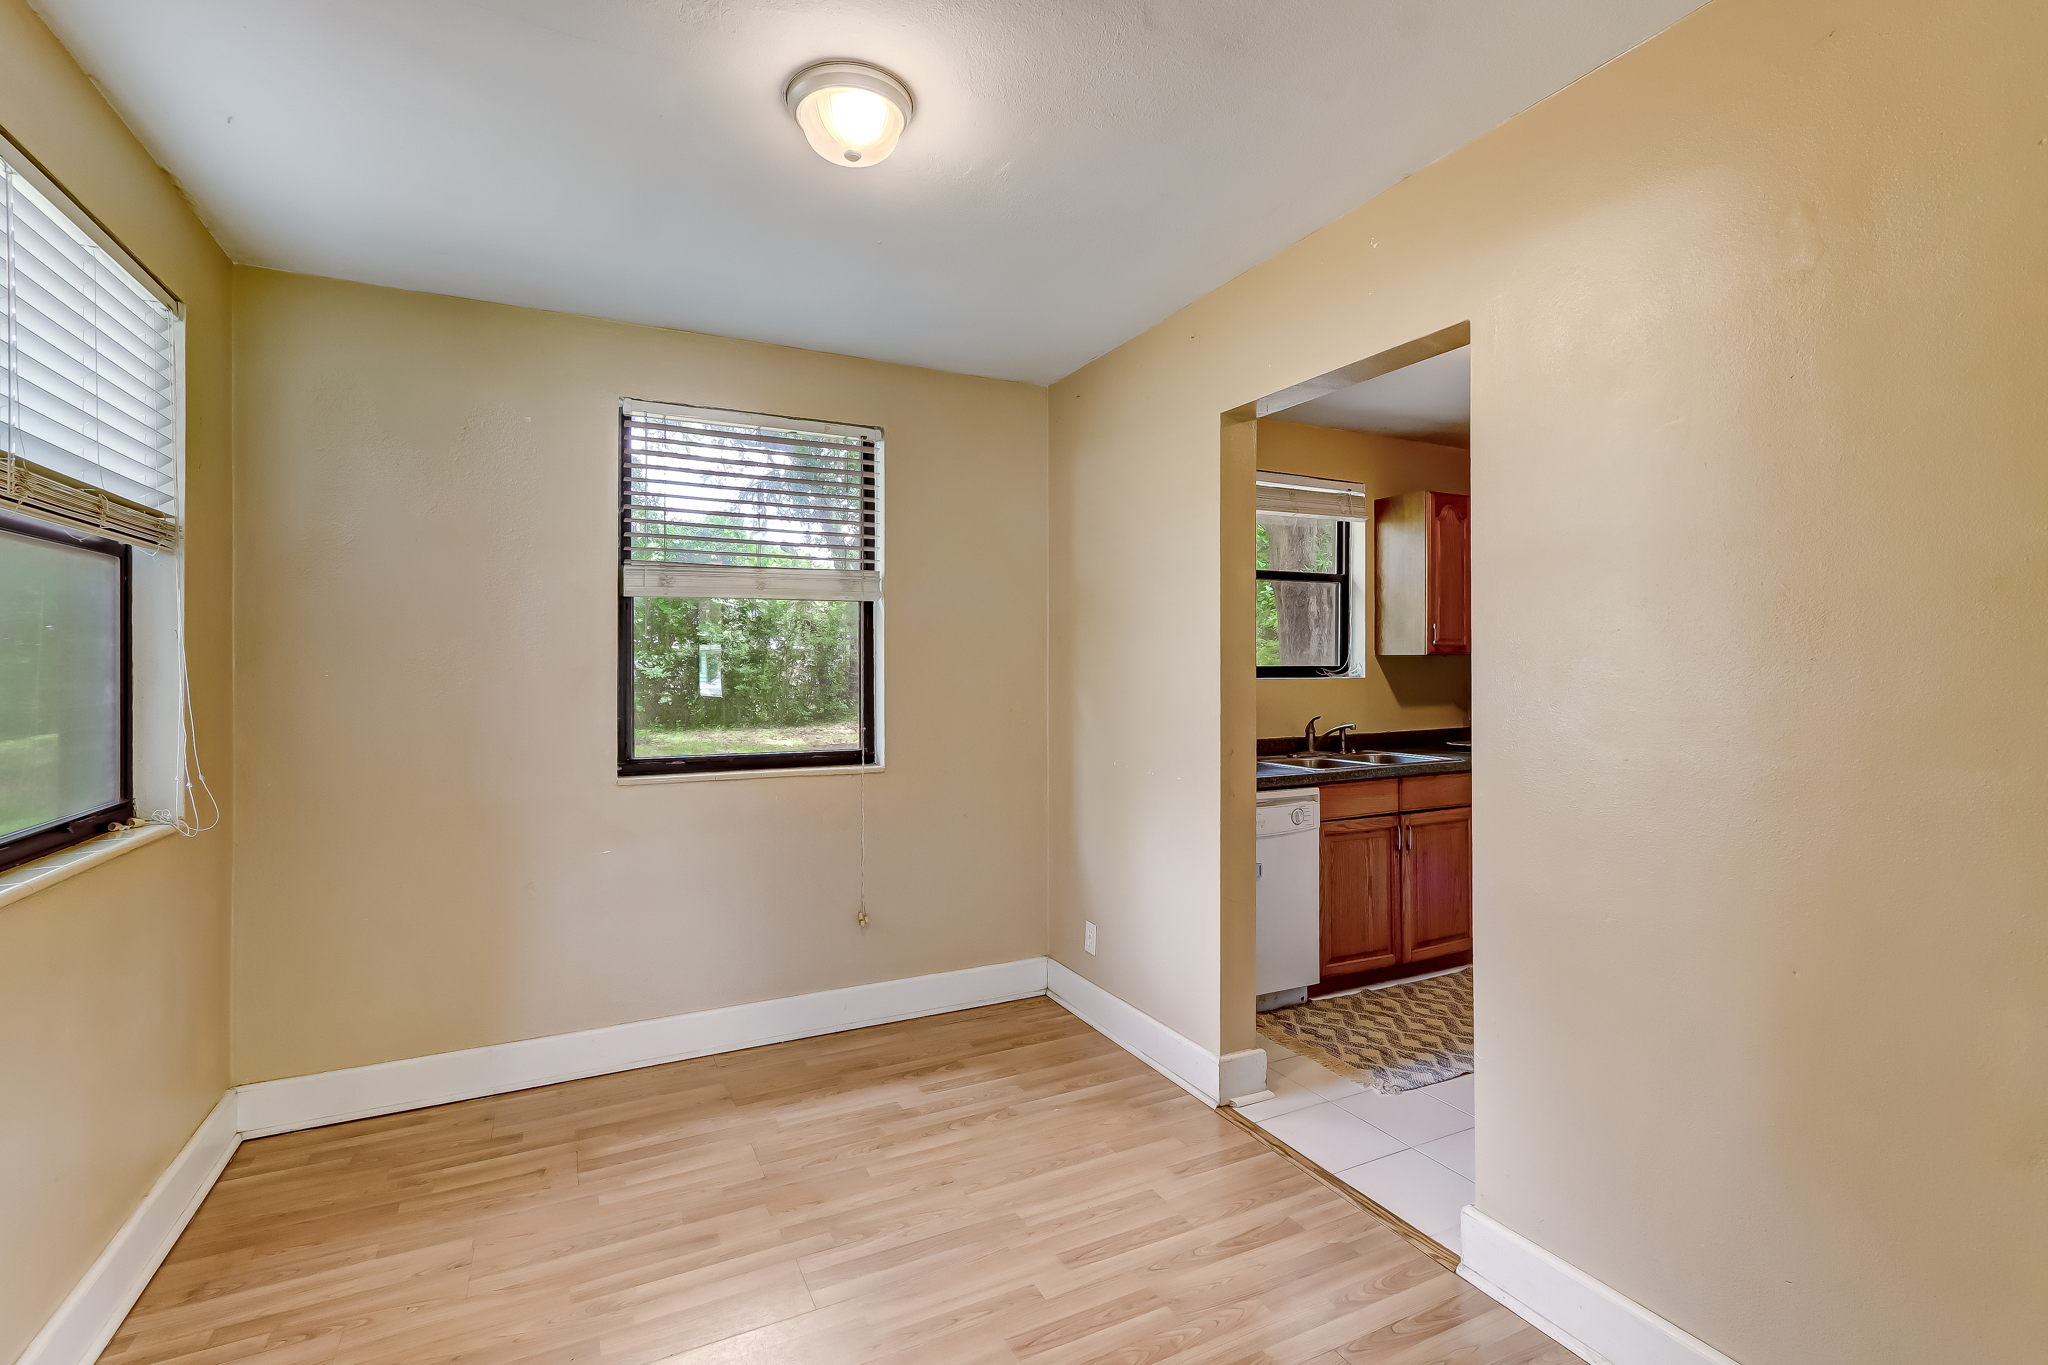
633, 765
30, 844
1343, 579
867, 651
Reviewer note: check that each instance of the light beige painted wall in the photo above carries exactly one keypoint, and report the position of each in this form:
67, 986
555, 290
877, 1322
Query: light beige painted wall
1396, 693
113, 987
1759, 324
436, 851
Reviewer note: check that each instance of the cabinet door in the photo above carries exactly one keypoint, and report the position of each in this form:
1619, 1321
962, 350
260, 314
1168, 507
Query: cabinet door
1450, 573
1436, 884
1361, 895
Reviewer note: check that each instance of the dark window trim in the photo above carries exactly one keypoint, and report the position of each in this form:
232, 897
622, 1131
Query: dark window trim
1342, 578
631, 765
30, 844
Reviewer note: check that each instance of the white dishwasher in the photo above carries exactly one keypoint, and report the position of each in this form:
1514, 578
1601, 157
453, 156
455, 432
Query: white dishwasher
1290, 895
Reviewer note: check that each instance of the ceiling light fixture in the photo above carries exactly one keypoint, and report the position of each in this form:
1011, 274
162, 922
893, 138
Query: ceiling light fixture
851, 113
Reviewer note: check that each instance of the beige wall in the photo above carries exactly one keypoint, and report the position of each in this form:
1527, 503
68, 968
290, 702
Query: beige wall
113, 991
1759, 322
1396, 693
436, 853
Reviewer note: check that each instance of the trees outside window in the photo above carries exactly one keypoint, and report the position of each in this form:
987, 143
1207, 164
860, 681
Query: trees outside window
1303, 601
750, 587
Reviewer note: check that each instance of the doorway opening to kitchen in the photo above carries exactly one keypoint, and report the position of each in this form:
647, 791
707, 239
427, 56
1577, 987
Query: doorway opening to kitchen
1362, 972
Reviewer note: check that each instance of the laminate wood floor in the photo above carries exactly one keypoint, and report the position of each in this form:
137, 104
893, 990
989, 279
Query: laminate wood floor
998, 1185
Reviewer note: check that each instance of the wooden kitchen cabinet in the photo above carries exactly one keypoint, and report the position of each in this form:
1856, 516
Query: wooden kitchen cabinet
1424, 572
1397, 888
1436, 884
1361, 893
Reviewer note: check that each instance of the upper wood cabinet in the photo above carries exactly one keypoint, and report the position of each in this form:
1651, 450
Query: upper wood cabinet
1425, 573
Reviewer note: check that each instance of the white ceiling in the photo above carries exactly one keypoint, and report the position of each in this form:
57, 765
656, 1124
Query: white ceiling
1078, 170
1430, 400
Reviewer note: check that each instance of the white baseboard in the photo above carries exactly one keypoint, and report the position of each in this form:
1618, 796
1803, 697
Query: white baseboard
325, 1097
1240, 1074
1210, 1078
1579, 1312
90, 1315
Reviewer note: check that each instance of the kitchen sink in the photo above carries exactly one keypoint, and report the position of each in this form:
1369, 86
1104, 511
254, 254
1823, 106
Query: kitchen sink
1364, 758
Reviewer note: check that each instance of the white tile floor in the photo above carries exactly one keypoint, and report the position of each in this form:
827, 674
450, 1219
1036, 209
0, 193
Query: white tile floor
1411, 1152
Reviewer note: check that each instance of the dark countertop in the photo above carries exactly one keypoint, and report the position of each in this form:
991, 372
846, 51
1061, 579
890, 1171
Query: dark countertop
1442, 759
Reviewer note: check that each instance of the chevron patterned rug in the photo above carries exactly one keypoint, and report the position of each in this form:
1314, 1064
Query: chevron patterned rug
1400, 1038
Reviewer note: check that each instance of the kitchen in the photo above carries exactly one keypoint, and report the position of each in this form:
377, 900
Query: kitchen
1364, 798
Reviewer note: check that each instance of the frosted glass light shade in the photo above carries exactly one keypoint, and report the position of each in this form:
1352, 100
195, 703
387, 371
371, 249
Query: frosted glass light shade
851, 113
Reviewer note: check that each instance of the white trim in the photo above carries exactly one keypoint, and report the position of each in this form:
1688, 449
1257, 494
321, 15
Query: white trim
1579, 1312
297, 1102
1210, 1078
1241, 1073
92, 1312
51, 868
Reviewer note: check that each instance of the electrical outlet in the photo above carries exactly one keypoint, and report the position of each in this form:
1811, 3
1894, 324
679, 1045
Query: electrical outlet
1088, 937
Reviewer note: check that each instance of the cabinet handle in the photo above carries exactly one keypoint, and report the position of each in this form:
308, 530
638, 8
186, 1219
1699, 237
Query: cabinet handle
1432, 632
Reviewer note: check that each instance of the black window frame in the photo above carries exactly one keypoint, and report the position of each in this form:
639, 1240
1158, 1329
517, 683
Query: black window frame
43, 840
633, 765
1342, 579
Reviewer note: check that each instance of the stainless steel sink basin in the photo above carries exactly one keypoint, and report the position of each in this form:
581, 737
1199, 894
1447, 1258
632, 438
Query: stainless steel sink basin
1286, 765
1364, 758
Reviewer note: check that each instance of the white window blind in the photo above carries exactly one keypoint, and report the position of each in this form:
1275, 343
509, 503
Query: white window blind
1303, 495
88, 398
733, 504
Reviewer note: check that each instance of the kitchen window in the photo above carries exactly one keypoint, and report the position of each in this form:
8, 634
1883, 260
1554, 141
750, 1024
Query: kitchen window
1306, 528
88, 482
750, 587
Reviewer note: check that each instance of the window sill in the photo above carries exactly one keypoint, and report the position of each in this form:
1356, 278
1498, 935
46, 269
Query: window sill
749, 773
1350, 676
45, 872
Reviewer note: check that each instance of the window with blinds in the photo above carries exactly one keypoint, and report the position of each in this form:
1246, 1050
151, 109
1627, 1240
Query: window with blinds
735, 505
1303, 495
88, 396
750, 581
89, 432
1304, 598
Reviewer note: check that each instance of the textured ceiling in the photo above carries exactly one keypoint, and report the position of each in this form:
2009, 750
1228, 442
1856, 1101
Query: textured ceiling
1078, 169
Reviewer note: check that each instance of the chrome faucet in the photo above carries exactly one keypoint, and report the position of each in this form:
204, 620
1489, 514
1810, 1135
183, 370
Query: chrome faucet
1308, 736
1336, 732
